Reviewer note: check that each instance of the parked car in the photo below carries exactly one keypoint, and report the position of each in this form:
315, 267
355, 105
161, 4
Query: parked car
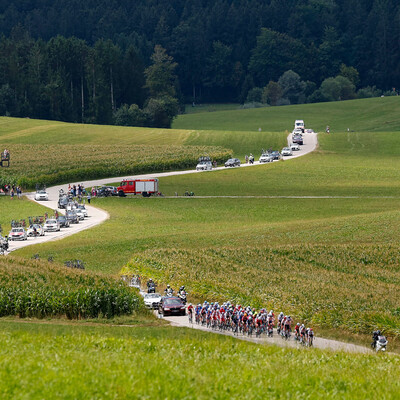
83, 209
51, 225
233, 162
63, 222
152, 300
276, 155
297, 139
72, 217
286, 151
295, 147
17, 234
171, 306
266, 157
204, 166
35, 230
41, 195
63, 202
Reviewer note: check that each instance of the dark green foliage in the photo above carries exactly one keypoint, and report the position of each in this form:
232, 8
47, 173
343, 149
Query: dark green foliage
91, 56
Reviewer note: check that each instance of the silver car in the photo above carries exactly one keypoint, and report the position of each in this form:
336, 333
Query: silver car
51, 225
266, 157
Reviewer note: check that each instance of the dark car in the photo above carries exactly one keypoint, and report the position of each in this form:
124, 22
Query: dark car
62, 220
105, 191
171, 306
63, 202
72, 217
276, 155
297, 139
233, 162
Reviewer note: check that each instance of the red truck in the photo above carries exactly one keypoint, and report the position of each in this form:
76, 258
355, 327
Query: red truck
145, 187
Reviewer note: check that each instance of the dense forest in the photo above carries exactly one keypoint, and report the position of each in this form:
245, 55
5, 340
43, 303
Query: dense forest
95, 61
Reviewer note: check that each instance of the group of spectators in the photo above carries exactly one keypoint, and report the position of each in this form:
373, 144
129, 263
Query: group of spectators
12, 190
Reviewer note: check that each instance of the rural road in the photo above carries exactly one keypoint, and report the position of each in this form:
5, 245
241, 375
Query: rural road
96, 216
319, 343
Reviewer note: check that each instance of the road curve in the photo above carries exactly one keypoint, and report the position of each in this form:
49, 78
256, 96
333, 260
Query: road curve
98, 216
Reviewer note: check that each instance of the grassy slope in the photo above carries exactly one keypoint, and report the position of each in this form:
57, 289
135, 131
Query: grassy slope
57, 361
17, 209
346, 164
14, 130
377, 114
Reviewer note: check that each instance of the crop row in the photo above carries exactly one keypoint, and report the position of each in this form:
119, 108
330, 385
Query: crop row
51, 164
351, 287
33, 289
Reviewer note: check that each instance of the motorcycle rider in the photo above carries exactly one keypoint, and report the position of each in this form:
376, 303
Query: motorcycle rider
151, 286
375, 337
169, 291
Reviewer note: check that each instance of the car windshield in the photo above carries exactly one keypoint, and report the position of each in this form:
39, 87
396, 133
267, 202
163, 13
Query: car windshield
18, 230
173, 302
152, 295
51, 221
41, 192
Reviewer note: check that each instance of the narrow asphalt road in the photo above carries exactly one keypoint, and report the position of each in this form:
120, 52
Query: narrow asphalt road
97, 216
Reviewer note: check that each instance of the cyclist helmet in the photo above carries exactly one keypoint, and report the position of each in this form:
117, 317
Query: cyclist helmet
298, 324
378, 332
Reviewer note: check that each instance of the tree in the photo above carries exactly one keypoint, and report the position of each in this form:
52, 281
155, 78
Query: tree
272, 93
350, 73
161, 111
254, 95
339, 88
292, 87
160, 76
130, 116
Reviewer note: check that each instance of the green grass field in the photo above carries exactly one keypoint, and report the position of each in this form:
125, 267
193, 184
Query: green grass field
372, 115
101, 362
333, 262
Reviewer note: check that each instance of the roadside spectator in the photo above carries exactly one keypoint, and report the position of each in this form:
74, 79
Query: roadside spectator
19, 192
246, 158
12, 194
89, 197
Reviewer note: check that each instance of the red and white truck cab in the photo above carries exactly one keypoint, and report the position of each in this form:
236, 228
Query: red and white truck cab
145, 187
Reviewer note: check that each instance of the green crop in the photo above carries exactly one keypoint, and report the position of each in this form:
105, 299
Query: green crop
37, 289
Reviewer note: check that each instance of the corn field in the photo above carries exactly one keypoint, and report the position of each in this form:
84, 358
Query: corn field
350, 287
52, 164
40, 289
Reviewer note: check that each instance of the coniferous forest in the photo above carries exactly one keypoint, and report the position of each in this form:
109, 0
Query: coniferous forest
138, 62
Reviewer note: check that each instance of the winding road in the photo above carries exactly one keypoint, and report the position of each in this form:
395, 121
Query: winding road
98, 216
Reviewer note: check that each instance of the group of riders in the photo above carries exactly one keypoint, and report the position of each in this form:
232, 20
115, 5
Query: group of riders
247, 320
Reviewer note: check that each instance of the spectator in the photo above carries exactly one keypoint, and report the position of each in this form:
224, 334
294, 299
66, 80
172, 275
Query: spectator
89, 197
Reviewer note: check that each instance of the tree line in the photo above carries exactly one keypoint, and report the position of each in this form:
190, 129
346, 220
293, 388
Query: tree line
83, 61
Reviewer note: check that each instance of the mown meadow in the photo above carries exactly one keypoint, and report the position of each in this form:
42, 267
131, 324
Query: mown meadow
58, 361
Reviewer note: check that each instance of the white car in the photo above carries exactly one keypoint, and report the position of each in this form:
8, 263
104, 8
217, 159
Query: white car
41, 195
35, 230
286, 151
17, 234
83, 209
51, 225
152, 300
204, 166
266, 157
79, 213
295, 147
297, 131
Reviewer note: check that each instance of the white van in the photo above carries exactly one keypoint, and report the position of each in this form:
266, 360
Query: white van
299, 123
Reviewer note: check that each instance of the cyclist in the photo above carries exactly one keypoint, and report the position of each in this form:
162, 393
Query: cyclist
190, 313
